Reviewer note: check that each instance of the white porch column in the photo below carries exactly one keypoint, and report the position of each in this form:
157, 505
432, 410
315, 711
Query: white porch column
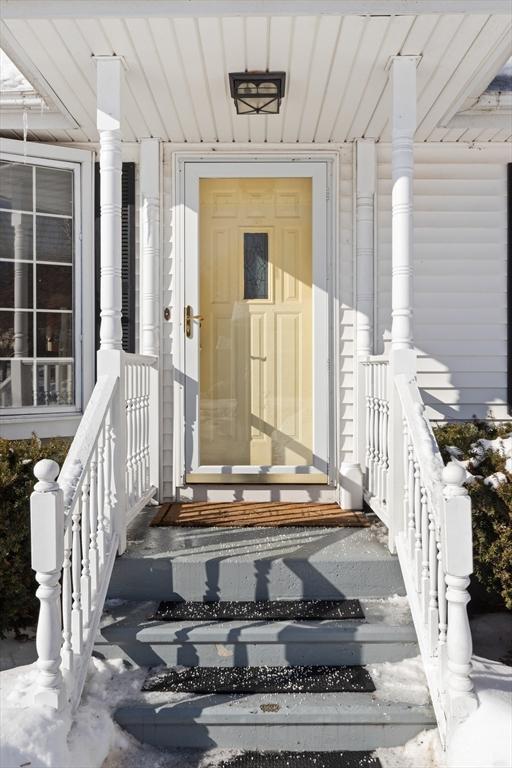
403, 86
365, 159
109, 123
149, 159
402, 358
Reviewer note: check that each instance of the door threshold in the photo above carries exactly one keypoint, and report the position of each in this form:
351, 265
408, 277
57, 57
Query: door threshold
270, 478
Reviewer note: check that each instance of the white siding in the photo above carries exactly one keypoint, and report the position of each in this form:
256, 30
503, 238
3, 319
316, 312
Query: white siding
460, 281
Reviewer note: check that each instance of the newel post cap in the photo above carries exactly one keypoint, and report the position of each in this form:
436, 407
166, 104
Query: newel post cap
454, 475
46, 472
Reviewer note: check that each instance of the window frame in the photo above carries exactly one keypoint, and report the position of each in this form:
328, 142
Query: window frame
64, 418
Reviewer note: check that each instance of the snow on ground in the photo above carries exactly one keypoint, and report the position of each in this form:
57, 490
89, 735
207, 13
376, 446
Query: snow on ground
484, 740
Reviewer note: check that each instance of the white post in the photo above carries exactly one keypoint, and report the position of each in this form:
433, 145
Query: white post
109, 126
47, 544
149, 159
365, 225
110, 355
403, 87
458, 566
402, 357
150, 285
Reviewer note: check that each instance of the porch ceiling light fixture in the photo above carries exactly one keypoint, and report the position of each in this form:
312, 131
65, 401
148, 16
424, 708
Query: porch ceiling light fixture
257, 93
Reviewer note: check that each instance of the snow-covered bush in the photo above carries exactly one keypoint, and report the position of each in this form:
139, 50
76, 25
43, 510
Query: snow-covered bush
485, 449
17, 583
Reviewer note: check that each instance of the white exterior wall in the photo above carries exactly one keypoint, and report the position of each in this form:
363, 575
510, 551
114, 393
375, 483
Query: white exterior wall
460, 280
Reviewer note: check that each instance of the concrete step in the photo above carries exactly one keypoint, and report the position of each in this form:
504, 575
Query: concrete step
326, 721
385, 634
254, 564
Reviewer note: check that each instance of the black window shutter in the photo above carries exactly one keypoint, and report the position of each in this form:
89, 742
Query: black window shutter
127, 254
509, 289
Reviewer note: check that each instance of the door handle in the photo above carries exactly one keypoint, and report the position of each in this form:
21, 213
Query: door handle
189, 318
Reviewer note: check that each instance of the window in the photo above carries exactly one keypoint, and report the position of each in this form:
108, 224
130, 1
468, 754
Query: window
39, 308
255, 265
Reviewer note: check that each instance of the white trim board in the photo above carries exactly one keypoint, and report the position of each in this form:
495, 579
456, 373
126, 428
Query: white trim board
36, 9
321, 167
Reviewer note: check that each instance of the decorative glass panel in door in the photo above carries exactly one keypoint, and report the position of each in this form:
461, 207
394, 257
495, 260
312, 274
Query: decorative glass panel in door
256, 333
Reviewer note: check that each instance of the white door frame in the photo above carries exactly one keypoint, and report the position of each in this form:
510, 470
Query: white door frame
322, 168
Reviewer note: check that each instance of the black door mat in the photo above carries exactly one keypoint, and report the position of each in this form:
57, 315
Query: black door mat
256, 610
299, 679
303, 760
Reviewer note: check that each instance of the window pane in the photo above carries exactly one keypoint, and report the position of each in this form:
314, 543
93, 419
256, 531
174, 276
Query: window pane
55, 385
16, 284
54, 191
255, 265
54, 287
16, 236
16, 384
16, 186
16, 334
54, 334
54, 239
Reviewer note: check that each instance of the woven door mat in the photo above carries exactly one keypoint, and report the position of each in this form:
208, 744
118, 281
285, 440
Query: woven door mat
241, 514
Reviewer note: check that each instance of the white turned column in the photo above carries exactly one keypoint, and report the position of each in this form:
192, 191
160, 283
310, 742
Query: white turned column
149, 160
47, 544
108, 122
458, 566
402, 358
365, 225
403, 87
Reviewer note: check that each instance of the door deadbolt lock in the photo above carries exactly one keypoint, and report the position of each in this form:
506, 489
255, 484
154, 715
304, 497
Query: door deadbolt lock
189, 318
167, 313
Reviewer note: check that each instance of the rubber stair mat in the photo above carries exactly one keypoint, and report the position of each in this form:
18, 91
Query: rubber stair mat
293, 679
302, 760
257, 610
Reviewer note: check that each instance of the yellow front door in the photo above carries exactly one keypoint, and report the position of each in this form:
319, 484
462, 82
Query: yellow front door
256, 335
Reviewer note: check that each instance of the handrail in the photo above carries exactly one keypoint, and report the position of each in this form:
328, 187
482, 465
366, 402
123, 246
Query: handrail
428, 513
78, 458
78, 522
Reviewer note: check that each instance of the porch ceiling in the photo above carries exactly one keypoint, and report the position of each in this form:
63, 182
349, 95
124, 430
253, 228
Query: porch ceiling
337, 84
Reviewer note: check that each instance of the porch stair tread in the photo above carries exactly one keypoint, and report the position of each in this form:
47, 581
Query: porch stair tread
254, 564
282, 721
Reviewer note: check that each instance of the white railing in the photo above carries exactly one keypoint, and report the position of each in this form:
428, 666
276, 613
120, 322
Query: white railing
428, 514
376, 420
78, 522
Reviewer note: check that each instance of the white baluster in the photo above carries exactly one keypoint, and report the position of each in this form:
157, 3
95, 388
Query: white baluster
433, 616
368, 454
443, 614
47, 541
109, 478
86, 573
410, 496
93, 522
101, 498
417, 525
76, 569
405, 433
425, 555
67, 648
